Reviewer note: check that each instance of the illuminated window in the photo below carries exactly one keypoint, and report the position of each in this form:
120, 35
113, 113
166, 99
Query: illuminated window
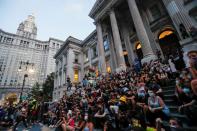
97, 72
108, 69
138, 45
76, 76
165, 33
125, 53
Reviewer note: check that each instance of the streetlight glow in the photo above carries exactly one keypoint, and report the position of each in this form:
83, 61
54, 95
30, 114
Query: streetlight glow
31, 71
20, 69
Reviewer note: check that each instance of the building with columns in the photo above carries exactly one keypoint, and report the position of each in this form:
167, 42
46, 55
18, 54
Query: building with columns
18, 49
141, 28
126, 30
68, 64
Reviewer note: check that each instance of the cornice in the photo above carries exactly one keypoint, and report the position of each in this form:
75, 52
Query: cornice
100, 11
36, 40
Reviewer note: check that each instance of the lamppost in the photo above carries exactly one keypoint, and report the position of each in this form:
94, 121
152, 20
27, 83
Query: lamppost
31, 70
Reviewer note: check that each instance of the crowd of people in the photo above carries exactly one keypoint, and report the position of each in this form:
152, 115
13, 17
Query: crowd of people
123, 101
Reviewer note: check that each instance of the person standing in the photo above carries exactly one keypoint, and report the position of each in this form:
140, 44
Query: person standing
172, 66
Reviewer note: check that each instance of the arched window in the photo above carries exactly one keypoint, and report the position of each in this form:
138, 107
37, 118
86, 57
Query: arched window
138, 45
165, 33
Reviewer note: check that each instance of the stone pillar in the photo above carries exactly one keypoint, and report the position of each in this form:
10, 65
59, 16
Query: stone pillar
129, 48
117, 41
141, 32
178, 14
113, 58
90, 57
63, 72
101, 47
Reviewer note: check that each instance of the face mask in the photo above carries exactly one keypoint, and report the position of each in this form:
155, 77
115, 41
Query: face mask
151, 94
86, 117
177, 82
172, 126
141, 94
186, 90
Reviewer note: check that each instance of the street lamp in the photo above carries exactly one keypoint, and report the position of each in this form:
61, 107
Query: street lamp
26, 64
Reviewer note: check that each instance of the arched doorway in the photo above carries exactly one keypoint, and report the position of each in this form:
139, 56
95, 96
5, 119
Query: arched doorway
126, 58
138, 49
171, 47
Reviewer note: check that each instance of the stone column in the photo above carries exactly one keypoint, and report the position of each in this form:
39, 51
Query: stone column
101, 47
178, 14
90, 57
113, 57
63, 72
129, 48
117, 41
141, 32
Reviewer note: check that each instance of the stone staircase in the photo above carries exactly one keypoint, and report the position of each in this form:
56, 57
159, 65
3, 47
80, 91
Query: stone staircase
172, 102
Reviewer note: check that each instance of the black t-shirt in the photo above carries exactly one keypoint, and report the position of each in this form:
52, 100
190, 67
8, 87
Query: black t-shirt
124, 121
123, 107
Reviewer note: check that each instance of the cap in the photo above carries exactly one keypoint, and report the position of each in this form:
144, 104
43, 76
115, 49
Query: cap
123, 99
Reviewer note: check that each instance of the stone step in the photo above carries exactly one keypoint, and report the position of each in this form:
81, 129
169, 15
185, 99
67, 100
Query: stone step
168, 87
173, 109
169, 96
168, 92
179, 116
170, 102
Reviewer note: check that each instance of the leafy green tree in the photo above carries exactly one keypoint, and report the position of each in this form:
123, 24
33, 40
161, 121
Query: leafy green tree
35, 91
47, 87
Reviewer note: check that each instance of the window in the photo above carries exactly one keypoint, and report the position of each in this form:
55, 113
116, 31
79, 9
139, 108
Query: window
1, 38
106, 43
21, 42
76, 58
53, 45
76, 76
5, 39
9, 40
108, 66
86, 56
156, 14
94, 52
27, 44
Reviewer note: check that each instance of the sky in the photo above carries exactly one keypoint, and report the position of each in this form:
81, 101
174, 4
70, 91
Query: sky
54, 18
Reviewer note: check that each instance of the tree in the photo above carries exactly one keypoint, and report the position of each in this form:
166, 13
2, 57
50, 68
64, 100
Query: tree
35, 91
48, 86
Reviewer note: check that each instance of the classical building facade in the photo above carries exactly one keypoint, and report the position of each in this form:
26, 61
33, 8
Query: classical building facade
126, 30
16, 50
68, 64
141, 28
